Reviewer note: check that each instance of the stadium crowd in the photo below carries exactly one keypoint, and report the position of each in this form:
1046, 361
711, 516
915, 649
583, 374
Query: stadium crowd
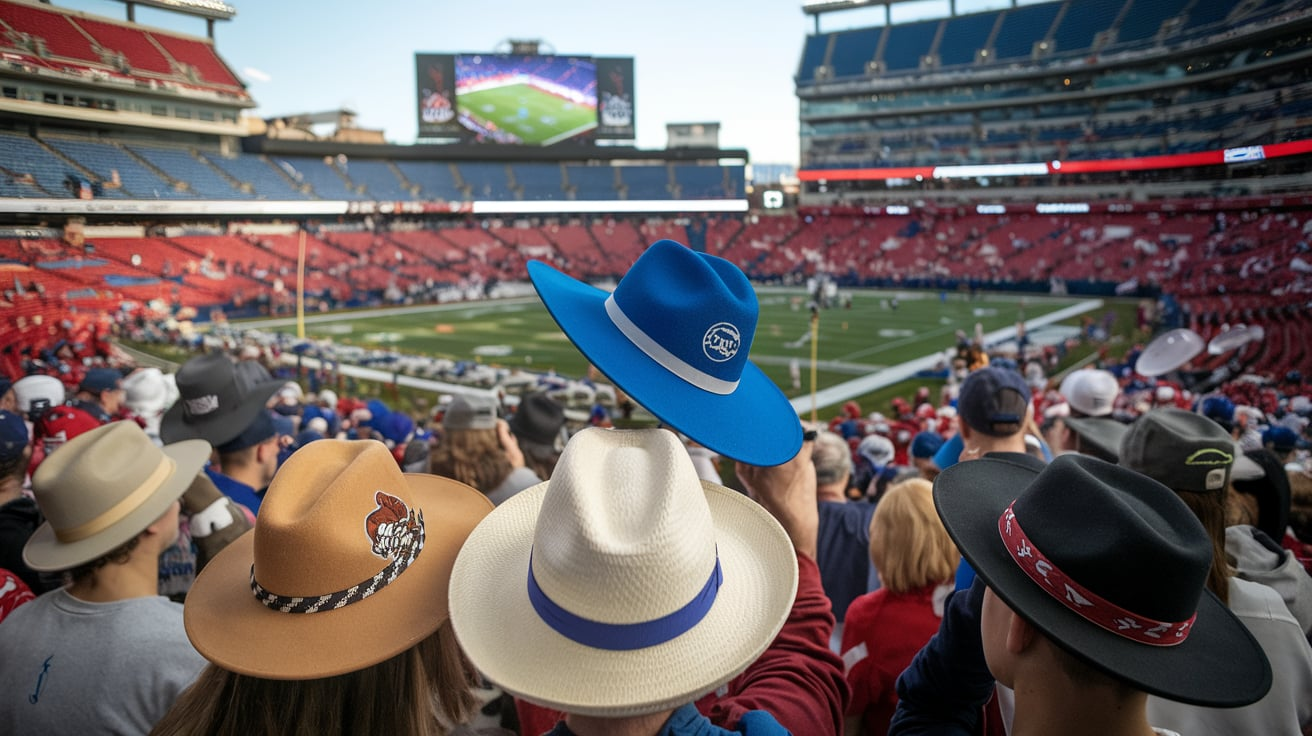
240, 547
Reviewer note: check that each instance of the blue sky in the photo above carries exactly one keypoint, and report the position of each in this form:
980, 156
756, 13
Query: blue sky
730, 61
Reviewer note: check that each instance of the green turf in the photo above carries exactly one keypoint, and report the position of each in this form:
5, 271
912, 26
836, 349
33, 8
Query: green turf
852, 342
534, 116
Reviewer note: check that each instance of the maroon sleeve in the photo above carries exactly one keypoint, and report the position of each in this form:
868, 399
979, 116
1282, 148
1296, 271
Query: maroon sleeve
798, 680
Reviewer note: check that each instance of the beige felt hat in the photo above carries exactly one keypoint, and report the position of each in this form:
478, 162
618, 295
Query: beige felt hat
347, 566
624, 585
104, 487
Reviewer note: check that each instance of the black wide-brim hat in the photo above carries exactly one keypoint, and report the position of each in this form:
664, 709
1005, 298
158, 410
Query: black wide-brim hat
212, 405
1123, 537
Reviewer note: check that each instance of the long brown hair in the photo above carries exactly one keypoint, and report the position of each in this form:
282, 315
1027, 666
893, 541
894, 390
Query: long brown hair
473, 457
1210, 510
423, 691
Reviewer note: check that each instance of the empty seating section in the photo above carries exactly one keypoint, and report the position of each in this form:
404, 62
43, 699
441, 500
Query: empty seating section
60, 36
324, 178
906, 45
141, 52
203, 182
963, 36
436, 181
737, 181
255, 170
592, 182
1145, 18
486, 181
1021, 27
23, 155
1084, 19
699, 182
199, 55
646, 182
104, 159
379, 179
1204, 14
853, 50
813, 56
538, 181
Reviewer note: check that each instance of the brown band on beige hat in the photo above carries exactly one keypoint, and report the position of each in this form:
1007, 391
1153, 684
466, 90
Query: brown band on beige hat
125, 506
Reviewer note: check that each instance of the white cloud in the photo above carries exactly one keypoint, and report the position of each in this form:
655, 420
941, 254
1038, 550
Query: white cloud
256, 75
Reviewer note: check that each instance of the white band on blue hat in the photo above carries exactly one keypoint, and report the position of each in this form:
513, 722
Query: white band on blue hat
669, 361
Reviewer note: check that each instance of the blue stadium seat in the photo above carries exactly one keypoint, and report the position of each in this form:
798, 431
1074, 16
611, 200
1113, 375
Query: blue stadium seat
737, 180
1084, 19
203, 182
379, 179
539, 181
103, 159
1204, 14
1145, 18
699, 181
21, 154
813, 55
1021, 27
259, 172
963, 36
853, 50
646, 182
592, 182
323, 177
436, 180
907, 43
486, 181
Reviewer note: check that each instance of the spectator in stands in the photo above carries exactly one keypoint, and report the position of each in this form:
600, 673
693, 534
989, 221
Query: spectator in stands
923, 448
478, 449
100, 394
843, 544
19, 515
915, 560
148, 393
537, 424
381, 657
994, 406
1280, 441
876, 469
1193, 456
8, 399
104, 653
214, 406
1060, 649
710, 565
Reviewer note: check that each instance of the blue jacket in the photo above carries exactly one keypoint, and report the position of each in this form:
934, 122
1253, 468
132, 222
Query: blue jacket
686, 721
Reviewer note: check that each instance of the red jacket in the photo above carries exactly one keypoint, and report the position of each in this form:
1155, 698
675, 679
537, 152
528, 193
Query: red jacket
798, 680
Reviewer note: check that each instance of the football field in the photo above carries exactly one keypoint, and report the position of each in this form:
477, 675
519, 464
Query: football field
854, 344
535, 117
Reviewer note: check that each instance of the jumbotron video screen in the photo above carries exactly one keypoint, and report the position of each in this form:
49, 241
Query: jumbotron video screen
524, 100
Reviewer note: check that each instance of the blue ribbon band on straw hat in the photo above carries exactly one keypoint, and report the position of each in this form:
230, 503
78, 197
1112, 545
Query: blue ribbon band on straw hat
624, 637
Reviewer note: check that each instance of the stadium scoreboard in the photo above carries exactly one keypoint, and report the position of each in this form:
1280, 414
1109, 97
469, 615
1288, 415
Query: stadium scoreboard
520, 99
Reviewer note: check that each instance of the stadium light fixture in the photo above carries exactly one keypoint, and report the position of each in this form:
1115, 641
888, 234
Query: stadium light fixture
216, 9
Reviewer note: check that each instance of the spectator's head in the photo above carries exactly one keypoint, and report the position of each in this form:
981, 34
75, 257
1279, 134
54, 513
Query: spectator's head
62, 423
1280, 440
924, 446
908, 544
103, 386
1090, 393
212, 404
15, 447
102, 491
1090, 569
1196, 458
470, 450
624, 533
8, 399
538, 424
994, 404
148, 393
876, 450
1097, 436
832, 457
252, 456
675, 336
1219, 409
363, 596
35, 394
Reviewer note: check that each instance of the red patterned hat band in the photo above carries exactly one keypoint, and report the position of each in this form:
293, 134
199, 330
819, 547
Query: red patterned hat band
1089, 605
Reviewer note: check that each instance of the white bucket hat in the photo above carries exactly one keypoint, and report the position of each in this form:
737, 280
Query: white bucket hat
624, 585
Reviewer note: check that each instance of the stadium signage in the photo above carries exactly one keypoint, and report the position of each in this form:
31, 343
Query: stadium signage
298, 208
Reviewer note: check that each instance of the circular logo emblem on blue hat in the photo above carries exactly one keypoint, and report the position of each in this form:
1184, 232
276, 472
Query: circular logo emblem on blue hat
721, 342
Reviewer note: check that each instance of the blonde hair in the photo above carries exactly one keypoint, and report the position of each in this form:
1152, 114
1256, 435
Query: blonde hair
908, 544
423, 691
473, 457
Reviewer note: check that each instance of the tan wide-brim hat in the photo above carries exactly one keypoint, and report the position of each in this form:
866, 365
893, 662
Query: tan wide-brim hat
352, 559
104, 487
622, 543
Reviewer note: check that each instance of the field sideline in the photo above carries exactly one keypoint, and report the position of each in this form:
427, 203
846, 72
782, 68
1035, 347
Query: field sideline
860, 350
